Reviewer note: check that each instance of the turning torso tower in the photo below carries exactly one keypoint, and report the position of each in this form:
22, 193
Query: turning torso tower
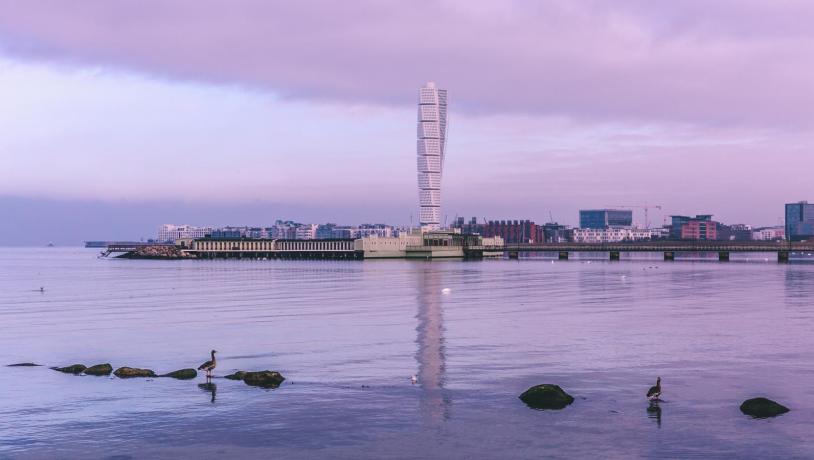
432, 139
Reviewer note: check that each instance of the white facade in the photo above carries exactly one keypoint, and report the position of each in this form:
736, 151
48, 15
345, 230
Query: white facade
769, 234
171, 232
430, 149
615, 235
307, 232
384, 231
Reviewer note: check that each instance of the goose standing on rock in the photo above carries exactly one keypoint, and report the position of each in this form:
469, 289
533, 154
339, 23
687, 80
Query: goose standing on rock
654, 392
209, 366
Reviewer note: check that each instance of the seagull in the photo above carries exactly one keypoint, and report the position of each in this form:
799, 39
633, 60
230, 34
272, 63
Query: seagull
414, 379
654, 392
209, 366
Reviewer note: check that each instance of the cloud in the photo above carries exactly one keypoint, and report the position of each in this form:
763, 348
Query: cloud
744, 62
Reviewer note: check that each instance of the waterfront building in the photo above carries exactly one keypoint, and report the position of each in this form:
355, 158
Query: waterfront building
430, 149
769, 233
306, 232
734, 232
380, 230
605, 218
553, 232
700, 227
229, 233
517, 231
615, 234
799, 221
172, 232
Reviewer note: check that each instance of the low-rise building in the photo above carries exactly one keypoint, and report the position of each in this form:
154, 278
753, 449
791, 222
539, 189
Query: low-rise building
171, 232
615, 235
769, 233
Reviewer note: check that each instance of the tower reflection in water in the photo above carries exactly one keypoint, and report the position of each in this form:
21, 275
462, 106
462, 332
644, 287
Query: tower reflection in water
430, 340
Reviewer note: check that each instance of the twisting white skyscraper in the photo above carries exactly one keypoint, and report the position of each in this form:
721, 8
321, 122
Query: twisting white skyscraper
432, 139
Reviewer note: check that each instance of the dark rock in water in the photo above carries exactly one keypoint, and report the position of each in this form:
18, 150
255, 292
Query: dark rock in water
236, 376
99, 369
762, 408
72, 369
183, 374
24, 365
265, 379
546, 396
127, 372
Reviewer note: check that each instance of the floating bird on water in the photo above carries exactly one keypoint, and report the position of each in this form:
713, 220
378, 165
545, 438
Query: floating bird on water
654, 392
414, 379
209, 366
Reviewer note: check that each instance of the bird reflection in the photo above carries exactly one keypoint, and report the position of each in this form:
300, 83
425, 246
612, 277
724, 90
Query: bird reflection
430, 341
654, 412
210, 388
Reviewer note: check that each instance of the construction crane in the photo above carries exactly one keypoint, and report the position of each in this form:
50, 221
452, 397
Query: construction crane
646, 207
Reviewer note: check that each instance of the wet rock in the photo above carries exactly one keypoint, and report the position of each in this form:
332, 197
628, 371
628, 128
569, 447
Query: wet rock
23, 365
546, 396
762, 408
265, 379
72, 369
182, 374
236, 376
99, 369
127, 372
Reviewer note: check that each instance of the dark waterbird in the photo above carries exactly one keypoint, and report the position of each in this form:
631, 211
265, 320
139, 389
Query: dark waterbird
209, 366
654, 392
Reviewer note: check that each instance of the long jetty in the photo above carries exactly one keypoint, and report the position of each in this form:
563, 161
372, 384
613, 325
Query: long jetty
467, 248
670, 249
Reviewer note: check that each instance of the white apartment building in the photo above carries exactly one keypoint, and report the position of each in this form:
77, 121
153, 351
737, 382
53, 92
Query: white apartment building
172, 232
384, 231
615, 235
306, 232
769, 234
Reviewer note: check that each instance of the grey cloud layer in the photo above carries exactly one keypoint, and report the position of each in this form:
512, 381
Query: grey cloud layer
727, 62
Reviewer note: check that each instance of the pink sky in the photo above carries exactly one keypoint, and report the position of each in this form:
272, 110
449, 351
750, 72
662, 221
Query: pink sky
701, 106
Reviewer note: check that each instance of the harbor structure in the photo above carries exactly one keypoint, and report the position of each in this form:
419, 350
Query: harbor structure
430, 150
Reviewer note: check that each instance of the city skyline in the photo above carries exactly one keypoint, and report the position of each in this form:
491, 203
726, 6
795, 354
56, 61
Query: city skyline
115, 121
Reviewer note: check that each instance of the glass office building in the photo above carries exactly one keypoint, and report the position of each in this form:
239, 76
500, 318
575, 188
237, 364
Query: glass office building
605, 218
799, 221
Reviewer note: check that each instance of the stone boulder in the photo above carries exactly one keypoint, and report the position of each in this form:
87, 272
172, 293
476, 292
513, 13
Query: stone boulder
128, 372
264, 379
23, 365
546, 396
762, 408
72, 369
236, 376
182, 374
99, 369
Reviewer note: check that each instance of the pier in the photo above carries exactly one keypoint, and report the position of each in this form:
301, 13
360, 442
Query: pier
441, 245
669, 249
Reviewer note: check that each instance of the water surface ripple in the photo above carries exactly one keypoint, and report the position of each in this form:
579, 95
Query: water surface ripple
348, 336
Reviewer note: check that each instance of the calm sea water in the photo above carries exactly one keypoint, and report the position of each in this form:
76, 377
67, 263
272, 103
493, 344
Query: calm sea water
348, 336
